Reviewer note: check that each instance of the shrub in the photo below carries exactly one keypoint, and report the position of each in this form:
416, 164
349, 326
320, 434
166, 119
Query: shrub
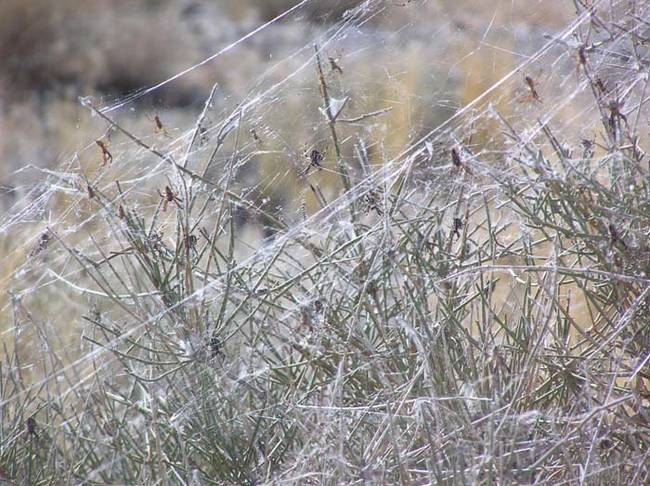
472, 310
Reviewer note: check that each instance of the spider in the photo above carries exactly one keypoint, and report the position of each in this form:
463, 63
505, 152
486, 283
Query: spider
169, 197
615, 235
190, 241
615, 107
458, 162
582, 56
158, 125
458, 225
216, 347
255, 136
370, 202
533, 91
41, 245
600, 86
107, 157
31, 427
582, 61
334, 64
315, 159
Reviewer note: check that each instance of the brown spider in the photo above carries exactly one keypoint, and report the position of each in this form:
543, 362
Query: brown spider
315, 159
582, 56
582, 61
458, 162
169, 197
458, 225
204, 135
41, 245
615, 108
215, 346
615, 236
533, 90
31, 427
615, 114
334, 65
588, 148
370, 202
158, 126
189, 241
107, 157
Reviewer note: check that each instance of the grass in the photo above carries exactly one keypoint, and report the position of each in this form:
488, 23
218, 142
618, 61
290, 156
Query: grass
473, 310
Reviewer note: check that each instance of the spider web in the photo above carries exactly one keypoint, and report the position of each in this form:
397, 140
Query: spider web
203, 263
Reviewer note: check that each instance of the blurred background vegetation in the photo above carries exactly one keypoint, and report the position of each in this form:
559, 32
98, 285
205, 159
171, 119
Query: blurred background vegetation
54, 52
423, 60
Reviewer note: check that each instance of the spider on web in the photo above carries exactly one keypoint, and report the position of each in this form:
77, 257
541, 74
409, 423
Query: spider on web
169, 197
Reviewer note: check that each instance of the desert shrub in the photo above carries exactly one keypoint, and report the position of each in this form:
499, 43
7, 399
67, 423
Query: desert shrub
472, 308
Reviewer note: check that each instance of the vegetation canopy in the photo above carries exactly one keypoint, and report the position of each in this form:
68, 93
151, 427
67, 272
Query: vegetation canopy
381, 263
